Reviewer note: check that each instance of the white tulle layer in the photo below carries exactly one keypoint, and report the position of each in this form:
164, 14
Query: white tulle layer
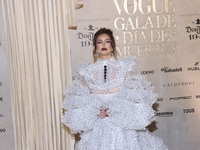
123, 129
130, 110
109, 137
122, 112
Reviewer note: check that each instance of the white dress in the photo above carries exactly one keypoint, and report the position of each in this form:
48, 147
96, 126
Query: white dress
129, 99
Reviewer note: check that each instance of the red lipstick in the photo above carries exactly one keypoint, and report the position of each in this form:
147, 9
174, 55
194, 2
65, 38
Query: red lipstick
104, 49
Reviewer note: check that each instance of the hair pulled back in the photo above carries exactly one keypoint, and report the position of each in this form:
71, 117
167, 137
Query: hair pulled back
110, 34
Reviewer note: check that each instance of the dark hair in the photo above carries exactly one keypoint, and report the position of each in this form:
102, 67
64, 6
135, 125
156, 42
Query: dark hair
110, 34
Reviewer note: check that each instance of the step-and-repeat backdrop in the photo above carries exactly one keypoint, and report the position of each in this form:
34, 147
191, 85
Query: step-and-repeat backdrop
164, 35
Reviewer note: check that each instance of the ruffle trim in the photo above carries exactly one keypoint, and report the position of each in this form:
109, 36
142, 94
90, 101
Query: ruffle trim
82, 68
130, 63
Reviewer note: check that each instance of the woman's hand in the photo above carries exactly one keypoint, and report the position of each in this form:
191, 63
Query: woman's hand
103, 113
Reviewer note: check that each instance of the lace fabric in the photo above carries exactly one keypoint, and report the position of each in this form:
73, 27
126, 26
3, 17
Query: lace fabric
128, 97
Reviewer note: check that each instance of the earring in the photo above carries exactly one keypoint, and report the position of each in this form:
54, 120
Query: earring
97, 54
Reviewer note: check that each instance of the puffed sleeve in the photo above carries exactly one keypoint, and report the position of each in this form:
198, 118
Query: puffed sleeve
132, 108
81, 107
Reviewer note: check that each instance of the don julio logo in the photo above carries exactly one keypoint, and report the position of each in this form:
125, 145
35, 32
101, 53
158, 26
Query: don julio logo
195, 68
178, 84
167, 70
165, 114
188, 110
86, 38
147, 72
194, 31
182, 97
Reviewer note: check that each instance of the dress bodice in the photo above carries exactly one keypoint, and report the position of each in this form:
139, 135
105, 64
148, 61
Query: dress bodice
103, 81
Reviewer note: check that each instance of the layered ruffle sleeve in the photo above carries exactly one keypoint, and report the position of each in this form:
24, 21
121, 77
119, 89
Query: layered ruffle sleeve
132, 107
81, 107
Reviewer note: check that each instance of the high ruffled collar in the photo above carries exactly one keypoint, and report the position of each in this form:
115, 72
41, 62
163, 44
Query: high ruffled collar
106, 61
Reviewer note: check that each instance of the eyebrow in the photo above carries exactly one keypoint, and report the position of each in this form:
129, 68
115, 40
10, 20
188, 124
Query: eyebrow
102, 40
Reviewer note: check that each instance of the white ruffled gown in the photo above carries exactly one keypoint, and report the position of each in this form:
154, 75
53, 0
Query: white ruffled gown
127, 95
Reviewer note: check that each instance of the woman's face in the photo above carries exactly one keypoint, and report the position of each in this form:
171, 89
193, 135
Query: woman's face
104, 47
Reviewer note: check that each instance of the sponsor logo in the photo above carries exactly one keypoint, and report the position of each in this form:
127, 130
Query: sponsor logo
91, 28
159, 99
147, 72
188, 110
195, 68
167, 70
182, 97
2, 130
196, 63
197, 96
165, 114
194, 31
86, 38
1, 98
1, 115
178, 84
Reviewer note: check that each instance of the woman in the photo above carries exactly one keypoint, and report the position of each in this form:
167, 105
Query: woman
109, 102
